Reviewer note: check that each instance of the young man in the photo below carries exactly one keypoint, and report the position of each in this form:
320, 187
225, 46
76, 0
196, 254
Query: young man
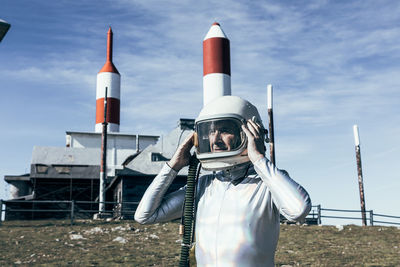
238, 206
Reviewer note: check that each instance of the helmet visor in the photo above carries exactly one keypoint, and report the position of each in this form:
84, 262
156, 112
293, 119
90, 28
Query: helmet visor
219, 135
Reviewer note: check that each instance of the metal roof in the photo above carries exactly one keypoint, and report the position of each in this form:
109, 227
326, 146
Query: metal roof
23, 177
65, 172
112, 133
166, 147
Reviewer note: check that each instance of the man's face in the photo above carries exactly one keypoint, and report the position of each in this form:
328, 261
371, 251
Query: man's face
223, 137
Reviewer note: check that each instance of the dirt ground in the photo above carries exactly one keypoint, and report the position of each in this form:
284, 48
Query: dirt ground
126, 243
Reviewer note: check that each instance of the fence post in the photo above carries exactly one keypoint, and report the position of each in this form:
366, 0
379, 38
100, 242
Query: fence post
72, 211
122, 209
1, 210
319, 213
371, 217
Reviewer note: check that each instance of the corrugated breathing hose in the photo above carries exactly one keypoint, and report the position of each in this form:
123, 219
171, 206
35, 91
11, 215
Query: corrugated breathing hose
189, 211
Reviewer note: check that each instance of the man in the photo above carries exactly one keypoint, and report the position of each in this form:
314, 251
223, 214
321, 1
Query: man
238, 206
223, 136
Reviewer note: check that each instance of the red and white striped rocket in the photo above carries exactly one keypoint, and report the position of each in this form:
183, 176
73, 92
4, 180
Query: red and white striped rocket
216, 64
108, 77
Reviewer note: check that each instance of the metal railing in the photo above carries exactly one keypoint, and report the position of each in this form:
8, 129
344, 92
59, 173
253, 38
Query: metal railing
87, 209
64, 209
369, 214
373, 215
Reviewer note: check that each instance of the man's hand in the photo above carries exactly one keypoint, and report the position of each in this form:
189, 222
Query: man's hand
255, 140
182, 154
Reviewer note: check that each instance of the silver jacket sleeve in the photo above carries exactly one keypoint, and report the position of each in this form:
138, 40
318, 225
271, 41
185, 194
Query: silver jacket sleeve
289, 197
154, 206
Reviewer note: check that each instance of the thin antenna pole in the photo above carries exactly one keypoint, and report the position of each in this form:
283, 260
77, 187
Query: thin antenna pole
271, 125
103, 165
360, 176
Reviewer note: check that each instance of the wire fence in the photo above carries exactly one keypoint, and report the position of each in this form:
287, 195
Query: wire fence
72, 210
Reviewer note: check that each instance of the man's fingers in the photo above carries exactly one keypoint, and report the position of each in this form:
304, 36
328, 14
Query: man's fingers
182, 154
253, 128
256, 126
246, 131
188, 140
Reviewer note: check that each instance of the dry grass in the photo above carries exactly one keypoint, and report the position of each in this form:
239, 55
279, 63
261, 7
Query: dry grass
327, 246
52, 243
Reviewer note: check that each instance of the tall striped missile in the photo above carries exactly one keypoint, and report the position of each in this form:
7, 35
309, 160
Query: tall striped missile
108, 77
216, 64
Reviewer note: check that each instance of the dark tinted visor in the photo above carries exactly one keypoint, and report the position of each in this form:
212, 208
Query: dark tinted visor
219, 135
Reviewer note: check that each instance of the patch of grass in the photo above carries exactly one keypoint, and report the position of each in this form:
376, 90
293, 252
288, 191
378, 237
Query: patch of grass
126, 243
327, 246
89, 244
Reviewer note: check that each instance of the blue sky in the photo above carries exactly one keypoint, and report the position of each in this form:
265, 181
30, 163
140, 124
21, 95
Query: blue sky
332, 64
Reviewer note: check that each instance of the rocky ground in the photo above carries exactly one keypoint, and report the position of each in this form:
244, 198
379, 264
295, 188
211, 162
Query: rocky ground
126, 243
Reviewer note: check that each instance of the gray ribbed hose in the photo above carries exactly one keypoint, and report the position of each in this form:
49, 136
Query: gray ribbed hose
188, 212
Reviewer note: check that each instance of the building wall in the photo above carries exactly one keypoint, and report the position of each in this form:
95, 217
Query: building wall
116, 141
119, 146
132, 189
19, 188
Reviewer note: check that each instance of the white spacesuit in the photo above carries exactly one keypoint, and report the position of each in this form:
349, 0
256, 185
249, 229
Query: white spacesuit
238, 206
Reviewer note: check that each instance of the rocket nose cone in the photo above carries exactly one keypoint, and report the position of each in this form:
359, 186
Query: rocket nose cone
215, 31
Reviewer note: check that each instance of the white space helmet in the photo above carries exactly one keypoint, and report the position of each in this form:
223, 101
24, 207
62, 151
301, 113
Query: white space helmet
224, 115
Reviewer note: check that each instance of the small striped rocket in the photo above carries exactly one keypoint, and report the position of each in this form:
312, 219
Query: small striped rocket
216, 64
108, 77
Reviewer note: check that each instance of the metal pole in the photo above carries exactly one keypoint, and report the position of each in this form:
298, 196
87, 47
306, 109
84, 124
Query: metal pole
360, 176
70, 189
271, 125
137, 143
319, 214
33, 202
122, 209
72, 211
103, 165
371, 217
1, 211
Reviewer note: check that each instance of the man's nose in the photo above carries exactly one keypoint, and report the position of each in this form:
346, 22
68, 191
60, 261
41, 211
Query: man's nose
217, 135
